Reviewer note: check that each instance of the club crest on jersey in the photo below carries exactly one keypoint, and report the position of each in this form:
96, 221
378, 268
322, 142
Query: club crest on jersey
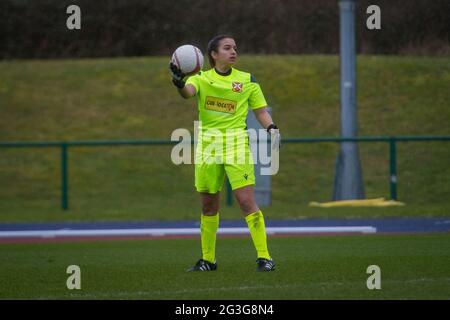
237, 86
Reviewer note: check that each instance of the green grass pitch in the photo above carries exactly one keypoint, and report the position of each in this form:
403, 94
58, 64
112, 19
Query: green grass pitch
309, 267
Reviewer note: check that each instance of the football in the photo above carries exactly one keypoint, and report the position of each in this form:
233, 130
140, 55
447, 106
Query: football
188, 58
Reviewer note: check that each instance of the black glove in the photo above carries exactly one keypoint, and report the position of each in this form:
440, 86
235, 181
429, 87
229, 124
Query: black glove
177, 76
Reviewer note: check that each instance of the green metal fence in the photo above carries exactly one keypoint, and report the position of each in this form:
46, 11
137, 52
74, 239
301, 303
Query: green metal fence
64, 146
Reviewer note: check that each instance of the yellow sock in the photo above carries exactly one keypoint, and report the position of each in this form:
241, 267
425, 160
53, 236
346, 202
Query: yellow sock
208, 228
255, 222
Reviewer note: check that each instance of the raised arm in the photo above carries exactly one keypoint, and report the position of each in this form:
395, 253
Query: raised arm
185, 90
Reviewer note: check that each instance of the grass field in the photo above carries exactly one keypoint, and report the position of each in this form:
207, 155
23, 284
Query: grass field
313, 267
132, 98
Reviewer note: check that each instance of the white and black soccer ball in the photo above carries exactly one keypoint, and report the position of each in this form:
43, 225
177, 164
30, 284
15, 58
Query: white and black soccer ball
188, 58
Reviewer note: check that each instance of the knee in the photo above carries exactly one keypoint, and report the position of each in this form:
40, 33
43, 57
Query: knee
247, 204
210, 208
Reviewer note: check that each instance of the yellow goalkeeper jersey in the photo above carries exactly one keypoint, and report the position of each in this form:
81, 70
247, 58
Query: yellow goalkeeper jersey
224, 100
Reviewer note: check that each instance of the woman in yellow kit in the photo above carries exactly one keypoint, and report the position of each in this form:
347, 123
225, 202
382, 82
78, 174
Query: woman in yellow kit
224, 96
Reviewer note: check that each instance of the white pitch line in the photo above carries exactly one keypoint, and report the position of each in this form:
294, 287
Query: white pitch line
177, 231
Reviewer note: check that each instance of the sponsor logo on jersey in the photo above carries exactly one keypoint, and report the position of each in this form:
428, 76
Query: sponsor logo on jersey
220, 105
237, 86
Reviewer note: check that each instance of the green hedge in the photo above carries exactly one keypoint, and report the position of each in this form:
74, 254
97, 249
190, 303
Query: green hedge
37, 28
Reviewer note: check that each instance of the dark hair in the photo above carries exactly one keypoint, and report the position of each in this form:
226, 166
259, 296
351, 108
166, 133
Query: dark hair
213, 45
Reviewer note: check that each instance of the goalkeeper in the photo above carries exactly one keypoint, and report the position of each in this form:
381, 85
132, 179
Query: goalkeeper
224, 95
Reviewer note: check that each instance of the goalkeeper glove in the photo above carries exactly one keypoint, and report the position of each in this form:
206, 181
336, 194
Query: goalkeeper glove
275, 136
177, 76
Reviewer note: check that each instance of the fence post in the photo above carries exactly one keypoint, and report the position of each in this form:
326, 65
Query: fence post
393, 167
64, 177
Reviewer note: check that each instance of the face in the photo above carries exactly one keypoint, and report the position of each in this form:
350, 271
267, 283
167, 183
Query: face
226, 52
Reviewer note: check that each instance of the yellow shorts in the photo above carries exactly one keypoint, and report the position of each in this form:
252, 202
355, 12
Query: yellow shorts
209, 178
236, 163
